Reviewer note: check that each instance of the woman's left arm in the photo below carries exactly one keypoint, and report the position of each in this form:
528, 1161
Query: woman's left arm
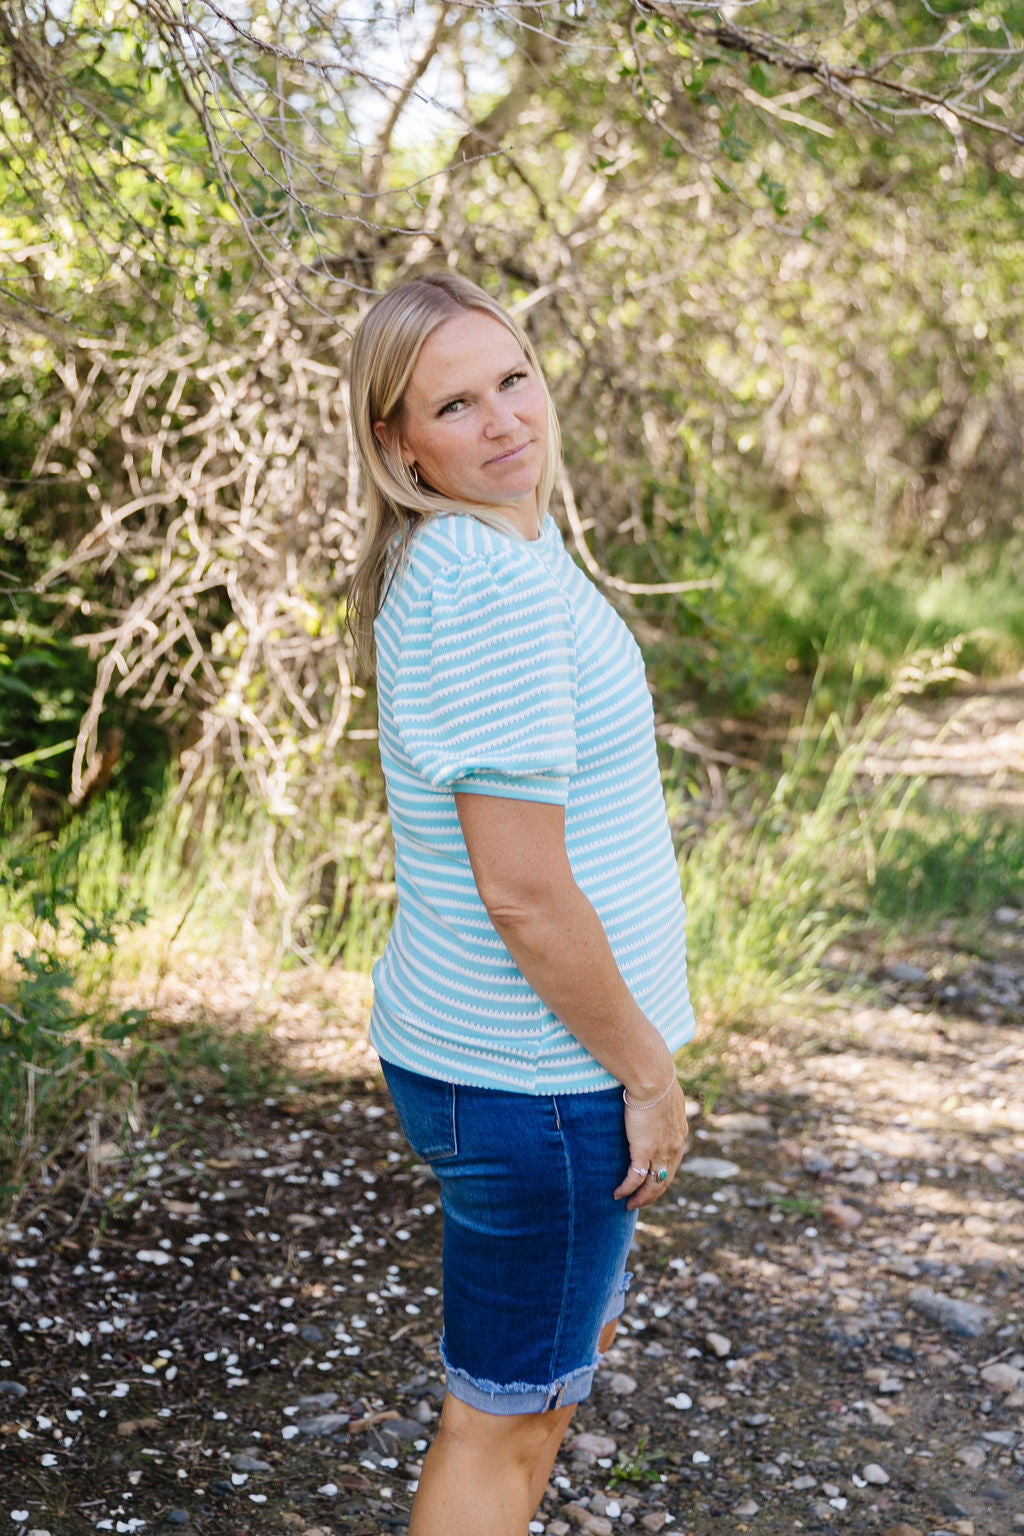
521, 867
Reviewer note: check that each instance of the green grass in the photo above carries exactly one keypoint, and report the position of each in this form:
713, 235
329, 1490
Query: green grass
942, 865
791, 600
822, 847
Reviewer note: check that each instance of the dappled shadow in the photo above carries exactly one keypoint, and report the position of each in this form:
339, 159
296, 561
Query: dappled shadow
248, 1268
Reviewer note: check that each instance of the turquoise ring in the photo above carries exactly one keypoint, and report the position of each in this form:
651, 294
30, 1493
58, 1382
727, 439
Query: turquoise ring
661, 1176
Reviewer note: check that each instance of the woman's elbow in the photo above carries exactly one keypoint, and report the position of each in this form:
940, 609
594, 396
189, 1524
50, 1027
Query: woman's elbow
512, 905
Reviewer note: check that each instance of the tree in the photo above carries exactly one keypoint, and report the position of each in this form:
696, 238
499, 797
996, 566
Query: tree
768, 253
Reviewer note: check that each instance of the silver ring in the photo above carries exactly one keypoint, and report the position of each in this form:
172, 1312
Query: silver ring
643, 1172
661, 1175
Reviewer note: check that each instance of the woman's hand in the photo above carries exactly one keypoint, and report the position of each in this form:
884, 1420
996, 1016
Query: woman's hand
657, 1139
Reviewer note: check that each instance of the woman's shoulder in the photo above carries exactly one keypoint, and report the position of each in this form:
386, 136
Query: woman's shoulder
444, 548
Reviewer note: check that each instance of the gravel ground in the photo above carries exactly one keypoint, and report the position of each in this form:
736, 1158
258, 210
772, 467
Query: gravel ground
233, 1330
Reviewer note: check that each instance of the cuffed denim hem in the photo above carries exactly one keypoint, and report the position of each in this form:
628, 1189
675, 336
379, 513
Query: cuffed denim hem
519, 1396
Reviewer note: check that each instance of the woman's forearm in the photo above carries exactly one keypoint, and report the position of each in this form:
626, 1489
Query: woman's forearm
561, 948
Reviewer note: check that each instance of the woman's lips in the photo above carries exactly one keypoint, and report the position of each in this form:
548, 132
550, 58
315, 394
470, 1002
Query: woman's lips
511, 453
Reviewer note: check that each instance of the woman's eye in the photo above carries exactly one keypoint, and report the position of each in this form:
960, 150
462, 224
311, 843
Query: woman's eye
450, 408
513, 378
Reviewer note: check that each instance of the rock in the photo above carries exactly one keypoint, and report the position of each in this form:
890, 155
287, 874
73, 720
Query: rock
309, 1333
859, 1178
746, 1509
960, 1317
241, 1462
1002, 1376
423, 1412
621, 1384
318, 1402
740, 1124
902, 971
875, 1475
841, 1216
654, 1521
1006, 915
12, 1389
718, 1344
804, 1483
557, 1528
903, 1530
708, 1168
402, 1431
177, 1517
587, 1444
587, 1519
970, 1456
326, 1424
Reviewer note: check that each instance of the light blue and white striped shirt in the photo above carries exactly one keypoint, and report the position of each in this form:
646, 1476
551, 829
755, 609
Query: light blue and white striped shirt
501, 670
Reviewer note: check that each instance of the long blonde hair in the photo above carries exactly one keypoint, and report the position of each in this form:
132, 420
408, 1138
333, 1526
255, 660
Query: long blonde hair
387, 345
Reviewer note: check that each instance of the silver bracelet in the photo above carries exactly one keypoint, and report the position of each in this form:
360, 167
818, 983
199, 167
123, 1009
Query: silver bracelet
629, 1102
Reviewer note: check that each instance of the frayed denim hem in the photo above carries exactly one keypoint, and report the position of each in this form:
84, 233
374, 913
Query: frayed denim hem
518, 1396
522, 1396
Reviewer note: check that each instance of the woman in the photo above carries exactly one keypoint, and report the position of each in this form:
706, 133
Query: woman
533, 988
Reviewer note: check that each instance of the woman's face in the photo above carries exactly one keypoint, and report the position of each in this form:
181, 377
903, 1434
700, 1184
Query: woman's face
474, 420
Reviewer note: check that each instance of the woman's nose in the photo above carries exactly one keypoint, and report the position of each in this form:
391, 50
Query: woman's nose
501, 418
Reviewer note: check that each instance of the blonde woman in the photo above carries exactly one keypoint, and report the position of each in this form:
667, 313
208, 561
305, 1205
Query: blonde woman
533, 989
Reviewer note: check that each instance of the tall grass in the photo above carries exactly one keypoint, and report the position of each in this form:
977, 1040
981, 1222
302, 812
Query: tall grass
827, 844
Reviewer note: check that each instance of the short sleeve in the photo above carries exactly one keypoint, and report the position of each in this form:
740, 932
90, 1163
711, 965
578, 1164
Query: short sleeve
485, 691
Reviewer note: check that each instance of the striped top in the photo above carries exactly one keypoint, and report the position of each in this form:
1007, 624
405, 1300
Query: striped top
501, 670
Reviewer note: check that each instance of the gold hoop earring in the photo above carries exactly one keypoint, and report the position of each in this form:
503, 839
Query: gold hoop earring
415, 475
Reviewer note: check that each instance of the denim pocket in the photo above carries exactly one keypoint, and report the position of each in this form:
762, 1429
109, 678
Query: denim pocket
426, 1110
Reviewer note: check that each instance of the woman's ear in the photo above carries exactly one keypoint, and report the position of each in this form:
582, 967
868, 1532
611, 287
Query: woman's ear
390, 438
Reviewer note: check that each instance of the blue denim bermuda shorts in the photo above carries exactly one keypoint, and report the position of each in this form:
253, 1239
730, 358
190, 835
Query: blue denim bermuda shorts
535, 1246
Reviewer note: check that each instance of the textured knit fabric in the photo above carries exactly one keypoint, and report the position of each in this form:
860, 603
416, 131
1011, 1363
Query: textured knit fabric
501, 670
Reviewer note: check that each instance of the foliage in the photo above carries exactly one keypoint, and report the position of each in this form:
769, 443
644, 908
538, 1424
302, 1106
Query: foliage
808, 854
636, 1470
948, 866
62, 1051
770, 259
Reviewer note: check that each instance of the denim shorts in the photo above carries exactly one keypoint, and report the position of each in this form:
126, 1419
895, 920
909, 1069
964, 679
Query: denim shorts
535, 1246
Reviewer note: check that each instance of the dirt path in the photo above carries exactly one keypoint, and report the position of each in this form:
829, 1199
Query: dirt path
825, 1332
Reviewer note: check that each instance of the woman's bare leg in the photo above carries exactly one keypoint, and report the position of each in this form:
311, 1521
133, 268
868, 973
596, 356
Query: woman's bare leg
546, 1459
485, 1473
481, 1470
